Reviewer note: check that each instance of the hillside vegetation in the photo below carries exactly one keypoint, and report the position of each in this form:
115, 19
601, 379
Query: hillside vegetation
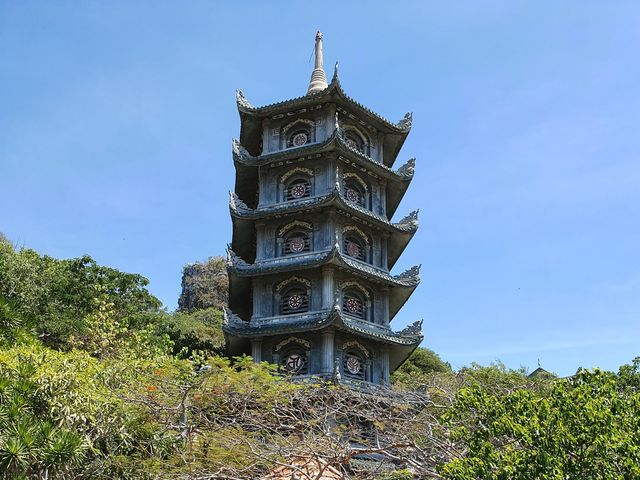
98, 381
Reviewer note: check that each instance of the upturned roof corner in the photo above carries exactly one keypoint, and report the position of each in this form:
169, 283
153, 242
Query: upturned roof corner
242, 101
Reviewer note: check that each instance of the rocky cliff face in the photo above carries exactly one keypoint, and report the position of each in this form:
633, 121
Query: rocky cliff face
204, 285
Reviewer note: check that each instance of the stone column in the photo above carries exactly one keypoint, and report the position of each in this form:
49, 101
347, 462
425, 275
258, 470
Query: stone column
327, 288
384, 361
260, 240
385, 305
384, 250
266, 136
256, 289
256, 349
380, 149
327, 351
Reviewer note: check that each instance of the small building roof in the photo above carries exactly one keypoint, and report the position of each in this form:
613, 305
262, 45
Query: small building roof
301, 468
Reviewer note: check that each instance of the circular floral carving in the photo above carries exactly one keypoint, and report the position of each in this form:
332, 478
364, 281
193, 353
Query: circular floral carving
299, 139
353, 365
295, 301
351, 143
298, 190
353, 305
294, 362
353, 195
353, 249
296, 244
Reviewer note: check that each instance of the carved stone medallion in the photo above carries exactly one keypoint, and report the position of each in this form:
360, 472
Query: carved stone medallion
353, 365
300, 139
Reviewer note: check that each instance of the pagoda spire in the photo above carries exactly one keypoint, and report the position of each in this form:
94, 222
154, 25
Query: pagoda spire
318, 78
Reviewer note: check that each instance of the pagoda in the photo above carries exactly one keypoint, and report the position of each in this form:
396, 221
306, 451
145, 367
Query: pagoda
313, 243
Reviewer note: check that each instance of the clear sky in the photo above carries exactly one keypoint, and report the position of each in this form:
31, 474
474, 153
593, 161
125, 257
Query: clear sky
116, 120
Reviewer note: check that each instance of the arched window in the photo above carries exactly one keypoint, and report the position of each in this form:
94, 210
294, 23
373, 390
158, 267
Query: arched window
354, 365
355, 246
299, 187
294, 361
354, 303
295, 299
355, 142
292, 355
296, 241
298, 138
354, 192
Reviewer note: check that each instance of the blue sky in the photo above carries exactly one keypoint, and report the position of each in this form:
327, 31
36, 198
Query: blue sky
116, 120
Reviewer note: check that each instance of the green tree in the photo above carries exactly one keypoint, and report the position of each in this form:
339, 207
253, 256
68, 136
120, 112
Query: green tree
586, 427
57, 296
196, 331
421, 362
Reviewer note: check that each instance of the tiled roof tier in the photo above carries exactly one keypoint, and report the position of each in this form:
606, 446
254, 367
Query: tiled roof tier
333, 92
408, 224
236, 266
243, 219
411, 335
401, 287
335, 142
251, 117
405, 341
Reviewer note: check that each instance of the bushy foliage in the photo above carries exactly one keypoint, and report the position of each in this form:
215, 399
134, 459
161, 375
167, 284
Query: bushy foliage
422, 362
198, 331
97, 381
57, 297
584, 427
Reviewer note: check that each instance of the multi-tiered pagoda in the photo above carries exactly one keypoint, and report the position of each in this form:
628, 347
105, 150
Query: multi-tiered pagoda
313, 242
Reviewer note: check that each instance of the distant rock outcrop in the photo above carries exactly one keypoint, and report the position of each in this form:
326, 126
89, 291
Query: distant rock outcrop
204, 285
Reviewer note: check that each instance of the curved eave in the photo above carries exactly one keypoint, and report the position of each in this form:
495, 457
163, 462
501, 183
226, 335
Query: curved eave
401, 178
251, 118
289, 263
400, 287
238, 332
240, 210
235, 325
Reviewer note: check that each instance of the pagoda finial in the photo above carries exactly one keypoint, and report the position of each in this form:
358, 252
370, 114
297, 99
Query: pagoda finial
318, 78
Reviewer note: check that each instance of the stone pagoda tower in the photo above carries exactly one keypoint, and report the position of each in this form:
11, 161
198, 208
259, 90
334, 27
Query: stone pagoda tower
313, 242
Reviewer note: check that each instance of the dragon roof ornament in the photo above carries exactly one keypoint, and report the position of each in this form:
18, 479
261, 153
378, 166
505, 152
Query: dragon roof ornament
406, 122
234, 260
242, 100
407, 169
230, 318
412, 330
412, 273
410, 220
240, 151
235, 204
